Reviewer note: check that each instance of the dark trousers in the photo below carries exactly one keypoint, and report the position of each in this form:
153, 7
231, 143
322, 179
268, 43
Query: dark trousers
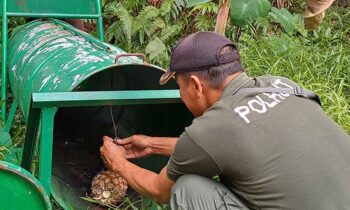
194, 192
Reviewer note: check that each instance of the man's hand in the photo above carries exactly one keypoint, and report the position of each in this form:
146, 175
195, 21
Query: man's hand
136, 146
112, 154
148, 183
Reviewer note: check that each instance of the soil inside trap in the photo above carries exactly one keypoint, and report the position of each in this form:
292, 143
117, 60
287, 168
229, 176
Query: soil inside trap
76, 161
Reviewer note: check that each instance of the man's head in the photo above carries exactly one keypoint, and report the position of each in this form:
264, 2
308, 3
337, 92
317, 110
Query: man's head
203, 63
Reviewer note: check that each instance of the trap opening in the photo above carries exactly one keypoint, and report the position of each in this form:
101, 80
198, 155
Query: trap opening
78, 131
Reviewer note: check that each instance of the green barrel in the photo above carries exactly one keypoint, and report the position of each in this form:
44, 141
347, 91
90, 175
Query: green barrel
52, 56
20, 190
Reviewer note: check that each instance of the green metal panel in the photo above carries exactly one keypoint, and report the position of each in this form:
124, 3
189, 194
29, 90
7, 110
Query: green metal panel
46, 144
44, 100
20, 190
62, 7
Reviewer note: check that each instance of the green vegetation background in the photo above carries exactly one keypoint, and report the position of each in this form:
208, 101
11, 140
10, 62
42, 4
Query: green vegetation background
318, 60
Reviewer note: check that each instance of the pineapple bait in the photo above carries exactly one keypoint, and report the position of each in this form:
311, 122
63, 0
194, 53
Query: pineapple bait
108, 188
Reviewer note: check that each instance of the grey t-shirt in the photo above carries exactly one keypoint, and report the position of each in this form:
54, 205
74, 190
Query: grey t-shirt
272, 150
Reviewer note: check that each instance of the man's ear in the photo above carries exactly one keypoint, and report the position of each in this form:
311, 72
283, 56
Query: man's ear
196, 85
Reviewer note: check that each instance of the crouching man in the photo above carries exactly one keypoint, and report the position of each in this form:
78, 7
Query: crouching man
267, 139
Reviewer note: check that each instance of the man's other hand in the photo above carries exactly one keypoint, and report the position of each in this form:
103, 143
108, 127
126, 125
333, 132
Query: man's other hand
136, 146
112, 154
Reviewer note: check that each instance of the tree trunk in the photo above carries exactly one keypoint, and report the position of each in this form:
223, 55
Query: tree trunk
221, 19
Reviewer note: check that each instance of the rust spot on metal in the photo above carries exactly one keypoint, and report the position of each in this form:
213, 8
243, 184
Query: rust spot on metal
20, 3
63, 33
42, 190
48, 26
2, 167
44, 38
147, 64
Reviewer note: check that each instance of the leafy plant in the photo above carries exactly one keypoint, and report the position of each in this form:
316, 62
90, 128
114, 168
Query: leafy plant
2, 151
155, 48
204, 16
248, 12
283, 17
193, 3
244, 12
148, 29
177, 7
290, 23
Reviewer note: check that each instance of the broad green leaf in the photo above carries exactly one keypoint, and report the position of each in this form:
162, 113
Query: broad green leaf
280, 44
285, 18
192, 3
155, 47
244, 12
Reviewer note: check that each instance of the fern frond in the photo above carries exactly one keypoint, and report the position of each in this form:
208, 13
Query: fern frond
157, 24
203, 23
127, 20
166, 7
170, 32
115, 31
133, 5
145, 18
209, 7
111, 9
177, 7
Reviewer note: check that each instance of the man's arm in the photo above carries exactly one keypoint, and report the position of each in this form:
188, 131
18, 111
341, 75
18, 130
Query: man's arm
148, 183
137, 146
156, 186
163, 145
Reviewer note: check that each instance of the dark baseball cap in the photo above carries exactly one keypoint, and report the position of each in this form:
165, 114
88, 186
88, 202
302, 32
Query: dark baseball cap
197, 52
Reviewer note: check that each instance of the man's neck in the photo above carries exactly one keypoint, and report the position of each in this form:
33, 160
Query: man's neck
215, 94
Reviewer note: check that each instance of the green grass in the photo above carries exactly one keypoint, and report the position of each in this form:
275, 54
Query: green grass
320, 62
142, 203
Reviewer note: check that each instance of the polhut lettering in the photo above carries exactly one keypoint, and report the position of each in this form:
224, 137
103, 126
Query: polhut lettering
263, 102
